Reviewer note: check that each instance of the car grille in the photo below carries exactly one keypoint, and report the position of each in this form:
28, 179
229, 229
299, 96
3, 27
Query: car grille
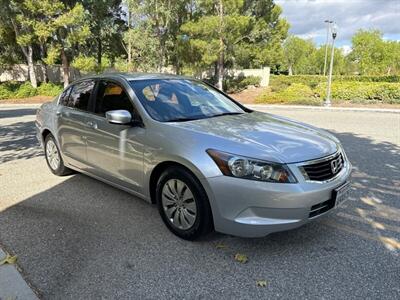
324, 169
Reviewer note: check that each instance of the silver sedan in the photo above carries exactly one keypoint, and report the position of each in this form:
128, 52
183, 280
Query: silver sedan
206, 161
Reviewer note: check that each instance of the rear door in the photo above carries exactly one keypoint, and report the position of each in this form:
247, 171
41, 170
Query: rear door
72, 123
114, 151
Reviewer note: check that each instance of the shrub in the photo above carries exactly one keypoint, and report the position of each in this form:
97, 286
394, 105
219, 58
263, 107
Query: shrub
237, 84
296, 93
251, 80
5, 92
25, 90
49, 89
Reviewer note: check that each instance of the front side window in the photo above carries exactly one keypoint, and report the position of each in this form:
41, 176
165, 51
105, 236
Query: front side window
111, 96
80, 95
168, 100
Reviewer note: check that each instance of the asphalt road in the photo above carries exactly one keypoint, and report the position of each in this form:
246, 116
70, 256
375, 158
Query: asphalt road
77, 238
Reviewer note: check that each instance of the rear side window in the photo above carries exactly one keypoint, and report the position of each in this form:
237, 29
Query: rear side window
80, 95
111, 96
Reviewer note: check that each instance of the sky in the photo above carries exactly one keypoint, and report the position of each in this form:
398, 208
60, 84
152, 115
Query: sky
307, 18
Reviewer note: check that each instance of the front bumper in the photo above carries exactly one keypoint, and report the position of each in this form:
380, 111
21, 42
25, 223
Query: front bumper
249, 208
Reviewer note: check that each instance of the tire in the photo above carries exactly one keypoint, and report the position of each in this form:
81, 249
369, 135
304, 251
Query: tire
180, 221
53, 157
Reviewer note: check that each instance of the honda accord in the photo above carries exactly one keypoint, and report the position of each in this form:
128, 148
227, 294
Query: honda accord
207, 162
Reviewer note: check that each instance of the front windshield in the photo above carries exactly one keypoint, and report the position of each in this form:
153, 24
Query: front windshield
169, 100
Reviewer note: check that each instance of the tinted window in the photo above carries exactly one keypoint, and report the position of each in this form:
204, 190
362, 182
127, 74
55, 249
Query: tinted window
180, 99
111, 96
65, 96
80, 95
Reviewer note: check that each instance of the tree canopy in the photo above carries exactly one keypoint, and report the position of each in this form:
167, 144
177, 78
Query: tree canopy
191, 37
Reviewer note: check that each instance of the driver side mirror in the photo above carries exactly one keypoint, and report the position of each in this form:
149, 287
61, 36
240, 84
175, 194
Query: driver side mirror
121, 117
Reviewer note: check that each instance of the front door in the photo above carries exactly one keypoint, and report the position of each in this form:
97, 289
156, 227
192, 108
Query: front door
115, 152
71, 122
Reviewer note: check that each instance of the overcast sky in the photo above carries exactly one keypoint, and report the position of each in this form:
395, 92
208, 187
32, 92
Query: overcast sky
307, 18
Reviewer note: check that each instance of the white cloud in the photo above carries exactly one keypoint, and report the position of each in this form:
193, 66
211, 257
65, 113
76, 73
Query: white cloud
307, 17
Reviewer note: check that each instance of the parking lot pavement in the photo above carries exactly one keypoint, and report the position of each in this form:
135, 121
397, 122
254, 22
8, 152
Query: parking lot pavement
78, 238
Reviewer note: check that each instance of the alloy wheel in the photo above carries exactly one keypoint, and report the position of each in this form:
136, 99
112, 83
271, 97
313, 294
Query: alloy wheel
179, 204
53, 157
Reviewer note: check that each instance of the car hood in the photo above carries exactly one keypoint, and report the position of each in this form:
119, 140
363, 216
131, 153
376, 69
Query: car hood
264, 136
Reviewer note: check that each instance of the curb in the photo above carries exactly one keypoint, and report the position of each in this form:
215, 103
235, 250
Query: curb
20, 105
323, 108
12, 285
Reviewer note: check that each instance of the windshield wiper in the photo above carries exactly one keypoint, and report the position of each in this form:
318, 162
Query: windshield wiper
226, 114
183, 119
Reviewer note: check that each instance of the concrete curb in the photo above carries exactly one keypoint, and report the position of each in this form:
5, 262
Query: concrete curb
12, 285
20, 105
323, 108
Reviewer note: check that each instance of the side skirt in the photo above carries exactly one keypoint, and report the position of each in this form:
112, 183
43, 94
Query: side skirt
116, 185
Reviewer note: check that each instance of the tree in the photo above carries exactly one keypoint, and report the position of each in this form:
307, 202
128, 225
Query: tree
235, 33
340, 63
297, 55
369, 52
156, 18
143, 49
216, 31
106, 27
268, 32
20, 18
9, 49
69, 28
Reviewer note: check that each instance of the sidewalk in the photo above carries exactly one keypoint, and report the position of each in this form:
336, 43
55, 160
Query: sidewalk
12, 285
322, 108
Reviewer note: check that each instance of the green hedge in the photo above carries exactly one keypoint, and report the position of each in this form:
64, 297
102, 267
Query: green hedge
350, 91
313, 79
14, 89
374, 92
280, 82
296, 93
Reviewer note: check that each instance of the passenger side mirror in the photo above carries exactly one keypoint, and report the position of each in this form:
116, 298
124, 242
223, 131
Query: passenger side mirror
119, 116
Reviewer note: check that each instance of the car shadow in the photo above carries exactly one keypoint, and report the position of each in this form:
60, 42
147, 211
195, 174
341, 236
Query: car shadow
18, 141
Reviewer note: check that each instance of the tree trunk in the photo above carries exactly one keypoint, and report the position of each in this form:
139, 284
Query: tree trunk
220, 67
161, 52
28, 53
99, 53
31, 67
290, 70
44, 65
65, 67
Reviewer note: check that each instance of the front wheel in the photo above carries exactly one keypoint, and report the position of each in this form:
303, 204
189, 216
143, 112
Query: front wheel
53, 157
183, 204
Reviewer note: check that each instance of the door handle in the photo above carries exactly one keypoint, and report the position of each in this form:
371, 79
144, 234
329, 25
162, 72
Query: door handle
58, 113
91, 124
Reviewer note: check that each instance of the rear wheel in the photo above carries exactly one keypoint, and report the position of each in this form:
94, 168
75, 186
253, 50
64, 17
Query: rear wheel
53, 157
183, 204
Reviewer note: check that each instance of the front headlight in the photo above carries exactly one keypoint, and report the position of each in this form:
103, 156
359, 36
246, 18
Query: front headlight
248, 168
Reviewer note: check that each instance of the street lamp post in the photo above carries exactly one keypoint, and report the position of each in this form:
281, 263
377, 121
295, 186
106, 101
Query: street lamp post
328, 92
328, 29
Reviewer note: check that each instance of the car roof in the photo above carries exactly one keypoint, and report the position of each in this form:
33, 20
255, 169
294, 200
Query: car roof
134, 76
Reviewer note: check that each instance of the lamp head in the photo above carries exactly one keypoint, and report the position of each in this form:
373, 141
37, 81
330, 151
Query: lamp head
334, 30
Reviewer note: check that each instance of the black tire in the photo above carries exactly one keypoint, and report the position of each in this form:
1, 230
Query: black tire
203, 223
61, 170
